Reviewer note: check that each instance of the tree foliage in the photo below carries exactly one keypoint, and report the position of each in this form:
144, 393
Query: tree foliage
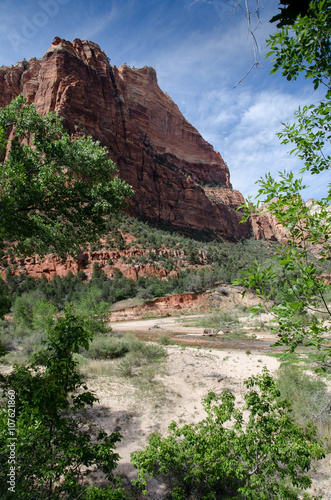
55, 192
303, 47
303, 311
229, 456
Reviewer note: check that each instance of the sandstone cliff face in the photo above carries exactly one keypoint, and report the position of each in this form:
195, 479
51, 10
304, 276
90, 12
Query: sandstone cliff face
179, 179
265, 226
110, 260
52, 265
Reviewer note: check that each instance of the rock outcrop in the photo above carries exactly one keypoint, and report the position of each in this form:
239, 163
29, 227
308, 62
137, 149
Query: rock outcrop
108, 260
265, 226
179, 179
187, 302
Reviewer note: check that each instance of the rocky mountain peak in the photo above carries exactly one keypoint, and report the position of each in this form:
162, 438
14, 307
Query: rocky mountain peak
178, 178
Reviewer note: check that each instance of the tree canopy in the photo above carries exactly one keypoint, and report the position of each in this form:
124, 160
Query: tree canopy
55, 192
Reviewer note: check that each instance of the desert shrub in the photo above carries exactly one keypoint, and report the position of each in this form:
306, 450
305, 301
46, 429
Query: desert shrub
106, 347
140, 354
136, 365
146, 350
218, 319
126, 367
228, 317
13, 334
33, 343
165, 340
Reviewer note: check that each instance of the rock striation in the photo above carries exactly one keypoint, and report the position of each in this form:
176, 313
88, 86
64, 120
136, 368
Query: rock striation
178, 178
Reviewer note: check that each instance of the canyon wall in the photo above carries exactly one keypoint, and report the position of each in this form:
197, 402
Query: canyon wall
178, 178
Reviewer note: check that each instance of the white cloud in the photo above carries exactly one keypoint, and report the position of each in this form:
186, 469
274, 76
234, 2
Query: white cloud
243, 130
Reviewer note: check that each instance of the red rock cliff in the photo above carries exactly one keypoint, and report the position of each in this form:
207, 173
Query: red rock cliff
179, 179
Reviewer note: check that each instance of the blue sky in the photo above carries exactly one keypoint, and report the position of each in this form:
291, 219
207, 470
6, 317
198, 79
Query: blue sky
200, 50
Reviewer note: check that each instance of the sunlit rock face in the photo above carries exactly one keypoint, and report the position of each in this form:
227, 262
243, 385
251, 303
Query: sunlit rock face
178, 178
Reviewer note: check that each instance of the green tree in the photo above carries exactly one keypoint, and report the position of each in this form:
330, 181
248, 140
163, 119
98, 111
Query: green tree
302, 47
32, 311
43, 435
55, 192
262, 455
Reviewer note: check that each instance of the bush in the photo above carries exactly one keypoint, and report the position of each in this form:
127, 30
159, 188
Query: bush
217, 320
165, 340
12, 334
106, 347
146, 350
125, 368
33, 311
140, 354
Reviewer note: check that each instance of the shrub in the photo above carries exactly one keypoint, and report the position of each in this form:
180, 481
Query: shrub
33, 311
125, 368
165, 340
140, 354
146, 350
12, 334
106, 347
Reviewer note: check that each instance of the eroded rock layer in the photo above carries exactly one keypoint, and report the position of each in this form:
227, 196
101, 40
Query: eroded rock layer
179, 179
